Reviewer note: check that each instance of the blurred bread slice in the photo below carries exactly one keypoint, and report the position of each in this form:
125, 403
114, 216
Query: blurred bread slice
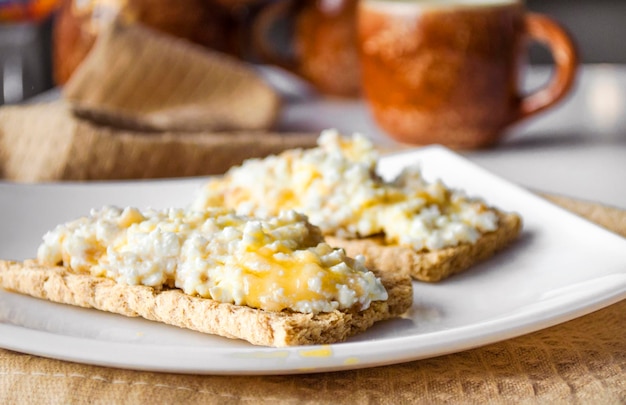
138, 78
214, 24
46, 142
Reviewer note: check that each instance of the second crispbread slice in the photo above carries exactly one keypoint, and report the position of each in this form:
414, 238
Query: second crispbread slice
173, 307
434, 265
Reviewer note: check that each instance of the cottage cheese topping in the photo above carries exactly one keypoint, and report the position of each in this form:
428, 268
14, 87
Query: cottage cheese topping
336, 186
272, 264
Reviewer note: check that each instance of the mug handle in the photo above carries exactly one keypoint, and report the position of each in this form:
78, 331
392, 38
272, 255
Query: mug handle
264, 21
549, 33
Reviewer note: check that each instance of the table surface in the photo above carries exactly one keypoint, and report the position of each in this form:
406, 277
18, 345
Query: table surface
577, 149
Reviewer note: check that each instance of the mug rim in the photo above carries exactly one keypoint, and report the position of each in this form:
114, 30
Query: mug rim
401, 6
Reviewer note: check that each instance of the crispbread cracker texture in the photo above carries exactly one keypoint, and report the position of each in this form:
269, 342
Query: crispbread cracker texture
174, 307
434, 265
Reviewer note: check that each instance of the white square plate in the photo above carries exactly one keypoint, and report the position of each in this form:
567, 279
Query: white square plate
562, 267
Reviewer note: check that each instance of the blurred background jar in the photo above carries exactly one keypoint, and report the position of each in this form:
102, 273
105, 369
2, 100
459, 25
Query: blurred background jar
25, 68
314, 39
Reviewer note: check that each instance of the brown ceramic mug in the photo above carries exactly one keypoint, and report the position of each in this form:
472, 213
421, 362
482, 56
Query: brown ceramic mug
320, 42
448, 71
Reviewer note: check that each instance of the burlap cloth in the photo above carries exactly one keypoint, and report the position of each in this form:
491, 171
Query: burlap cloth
582, 361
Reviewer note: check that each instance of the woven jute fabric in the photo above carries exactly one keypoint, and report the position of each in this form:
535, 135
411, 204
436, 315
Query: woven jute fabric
579, 362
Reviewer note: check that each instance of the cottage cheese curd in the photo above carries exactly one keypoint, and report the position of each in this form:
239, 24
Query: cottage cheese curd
272, 264
336, 186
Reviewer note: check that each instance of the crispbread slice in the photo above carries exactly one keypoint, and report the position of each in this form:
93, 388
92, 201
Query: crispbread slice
173, 307
434, 265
